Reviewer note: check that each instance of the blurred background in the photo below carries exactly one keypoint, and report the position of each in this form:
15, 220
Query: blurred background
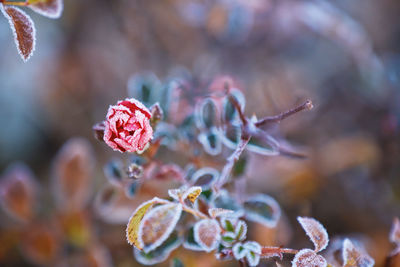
343, 55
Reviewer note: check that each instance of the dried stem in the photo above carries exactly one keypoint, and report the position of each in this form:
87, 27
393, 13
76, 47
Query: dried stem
278, 250
278, 118
194, 212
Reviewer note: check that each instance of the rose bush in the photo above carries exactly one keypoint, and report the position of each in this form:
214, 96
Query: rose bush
127, 126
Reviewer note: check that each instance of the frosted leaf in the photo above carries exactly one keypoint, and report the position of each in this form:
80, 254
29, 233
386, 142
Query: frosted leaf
228, 238
394, 235
251, 250
18, 192
262, 209
176, 194
216, 212
182, 194
157, 225
161, 253
240, 230
23, 30
192, 193
211, 141
315, 231
229, 112
354, 256
132, 229
225, 201
73, 174
205, 177
207, 234
48, 8
308, 258
206, 114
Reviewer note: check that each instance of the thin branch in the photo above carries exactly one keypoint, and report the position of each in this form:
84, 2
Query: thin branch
278, 250
194, 212
278, 118
231, 162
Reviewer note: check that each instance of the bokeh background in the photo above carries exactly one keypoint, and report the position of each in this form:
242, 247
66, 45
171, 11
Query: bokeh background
344, 55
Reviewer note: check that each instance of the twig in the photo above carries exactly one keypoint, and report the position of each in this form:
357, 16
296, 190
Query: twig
278, 118
12, 3
231, 162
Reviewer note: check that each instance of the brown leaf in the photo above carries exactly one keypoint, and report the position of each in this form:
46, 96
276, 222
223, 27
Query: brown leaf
23, 30
315, 231
354, 256
308, 258
18, 192
73, 174
48, 8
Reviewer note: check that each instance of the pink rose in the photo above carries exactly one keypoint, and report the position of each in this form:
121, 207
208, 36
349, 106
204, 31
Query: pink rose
127, 126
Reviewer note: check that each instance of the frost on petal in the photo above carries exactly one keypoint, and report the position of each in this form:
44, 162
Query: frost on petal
159, 254
308, 258
216, 212
157, 225
262, 209
18, 192
73, 174
192, 193
207, 234
315, 231
132, 228
48, 8
23, 30
354, 256
394, 235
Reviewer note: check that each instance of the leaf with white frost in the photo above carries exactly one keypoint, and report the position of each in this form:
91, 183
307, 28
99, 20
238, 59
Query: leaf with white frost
157, 225
23, 30
354, 256
48, 8
207, 234
315, 231
308, 258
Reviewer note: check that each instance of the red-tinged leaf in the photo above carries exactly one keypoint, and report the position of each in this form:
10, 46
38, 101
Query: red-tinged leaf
395, 232
18, 192
23, 30
207, 233
73, 174
315, 231
157, 225
48, 8
354, 256
308, 258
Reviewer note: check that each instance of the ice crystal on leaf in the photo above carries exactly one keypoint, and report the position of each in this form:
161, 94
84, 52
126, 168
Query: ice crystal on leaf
23, 30
157, 225
207, 234
315, 231
354, 256
48, 8
308, 258
250, 250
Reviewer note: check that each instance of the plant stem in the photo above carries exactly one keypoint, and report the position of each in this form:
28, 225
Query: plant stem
278, 118
231, 162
